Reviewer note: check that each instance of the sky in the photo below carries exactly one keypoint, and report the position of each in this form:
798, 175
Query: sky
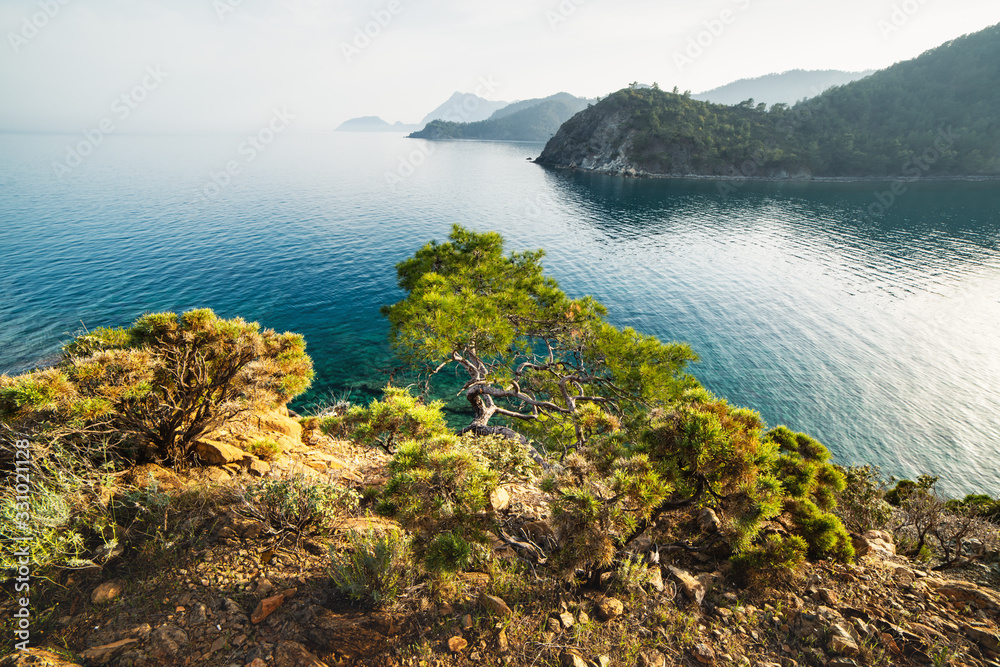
223, 65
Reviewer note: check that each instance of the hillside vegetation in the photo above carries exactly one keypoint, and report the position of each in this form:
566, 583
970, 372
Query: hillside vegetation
529, 120
935, 115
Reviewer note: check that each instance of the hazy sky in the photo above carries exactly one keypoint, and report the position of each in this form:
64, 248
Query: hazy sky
210, 65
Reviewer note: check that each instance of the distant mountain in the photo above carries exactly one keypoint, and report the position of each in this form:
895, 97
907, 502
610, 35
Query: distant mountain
374, 124
528, 120
464, 108
785, 88
935, 115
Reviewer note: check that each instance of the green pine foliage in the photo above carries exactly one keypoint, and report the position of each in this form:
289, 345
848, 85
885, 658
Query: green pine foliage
398, 416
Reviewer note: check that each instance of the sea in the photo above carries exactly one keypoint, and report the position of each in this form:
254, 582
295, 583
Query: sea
866, 314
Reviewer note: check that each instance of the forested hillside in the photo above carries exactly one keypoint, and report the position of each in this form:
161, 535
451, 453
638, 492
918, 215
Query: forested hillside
934, 115
530, 120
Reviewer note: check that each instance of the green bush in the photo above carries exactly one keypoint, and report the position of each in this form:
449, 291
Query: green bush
773, 554
373, 568
298, 505
440, 489
158, 386
399, 416
264, 449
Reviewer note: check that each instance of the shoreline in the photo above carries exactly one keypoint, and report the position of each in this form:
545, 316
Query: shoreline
777, 179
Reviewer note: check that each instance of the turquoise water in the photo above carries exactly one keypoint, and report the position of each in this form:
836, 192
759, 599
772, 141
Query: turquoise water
876, 334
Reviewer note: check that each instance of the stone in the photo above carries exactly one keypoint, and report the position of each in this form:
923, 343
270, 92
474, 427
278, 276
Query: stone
566, 619
166, 641
467, 622
457, 644
494, 605
828, 597
256, 467
351, 634
107, 592
275, 422
101, 655
499, 499
266, 607
257, 662
988, 639
199, 616
655, 578
841, 641
553, 625
572, 659
693, 589
708, 521
609, 608
971, 594
703, 653
293, 654
264, 587
652, 658
217, 453
502, 644
35, 657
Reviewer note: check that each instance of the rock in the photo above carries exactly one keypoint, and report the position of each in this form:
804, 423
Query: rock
275, 422
703, 653
107, 592
266, 607
217, 453
257, 662
841, 641
502, 644
467, 622
101, 655
354, 634
708, 521
35, 657
962, 591
499, 499
264, 586
652, 658
553, 625
603, 661
199, 616
457, 644
256, 467
828, 597
494, 605
609, 608
986, 637
293, 654
656, 578
693, 589
572, 659
166, 641
566, 619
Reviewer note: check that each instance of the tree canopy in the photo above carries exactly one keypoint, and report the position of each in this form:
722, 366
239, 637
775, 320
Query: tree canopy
531, 353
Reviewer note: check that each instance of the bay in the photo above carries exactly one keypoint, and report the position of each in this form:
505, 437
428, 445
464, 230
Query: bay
874, 331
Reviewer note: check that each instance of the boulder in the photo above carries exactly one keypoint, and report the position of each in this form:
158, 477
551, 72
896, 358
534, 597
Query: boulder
107, 592
693, 589
217, 453
293, 654
494, 605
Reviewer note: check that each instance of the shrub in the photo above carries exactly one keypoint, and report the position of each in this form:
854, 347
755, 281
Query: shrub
774, 554
440, 489
861, 505
399, 416
160, 384
297, 505
264, 449
373, 568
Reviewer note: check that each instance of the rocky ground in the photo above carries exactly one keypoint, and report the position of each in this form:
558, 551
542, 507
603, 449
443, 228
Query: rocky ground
228, 594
